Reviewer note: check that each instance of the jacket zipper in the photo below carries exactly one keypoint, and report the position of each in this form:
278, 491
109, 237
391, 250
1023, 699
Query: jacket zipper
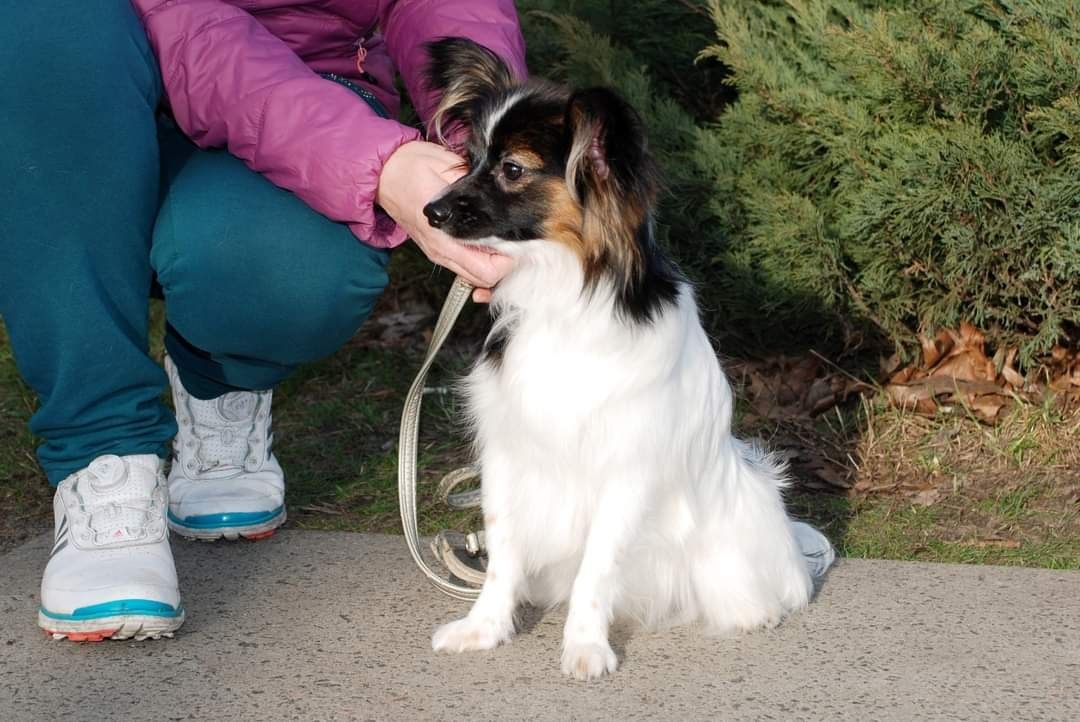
364, 93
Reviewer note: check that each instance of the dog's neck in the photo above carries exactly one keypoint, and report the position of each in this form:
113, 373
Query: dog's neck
549, 278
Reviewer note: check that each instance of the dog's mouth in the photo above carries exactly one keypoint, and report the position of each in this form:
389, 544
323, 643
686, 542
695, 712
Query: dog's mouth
485, 242
493, 243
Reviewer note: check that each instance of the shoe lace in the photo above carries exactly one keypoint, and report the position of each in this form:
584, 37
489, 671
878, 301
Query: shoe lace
106, 519
127, 518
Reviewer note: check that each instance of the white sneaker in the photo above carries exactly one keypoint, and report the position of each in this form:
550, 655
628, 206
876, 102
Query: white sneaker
224, 480
111, 572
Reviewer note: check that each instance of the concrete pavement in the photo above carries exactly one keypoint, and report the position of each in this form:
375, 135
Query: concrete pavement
336, 626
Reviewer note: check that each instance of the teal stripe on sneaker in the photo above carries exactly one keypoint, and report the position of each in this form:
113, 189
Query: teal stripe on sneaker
227, 519
118, 608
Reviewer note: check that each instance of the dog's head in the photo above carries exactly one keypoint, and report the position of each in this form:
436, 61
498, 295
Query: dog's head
544, 163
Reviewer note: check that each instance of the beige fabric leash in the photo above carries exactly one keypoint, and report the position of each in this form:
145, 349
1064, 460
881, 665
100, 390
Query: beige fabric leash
446, 544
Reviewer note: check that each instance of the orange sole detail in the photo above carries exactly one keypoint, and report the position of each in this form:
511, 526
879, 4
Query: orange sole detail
260, 535
98, 636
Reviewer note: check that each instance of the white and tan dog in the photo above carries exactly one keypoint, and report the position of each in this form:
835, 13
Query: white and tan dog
611, 479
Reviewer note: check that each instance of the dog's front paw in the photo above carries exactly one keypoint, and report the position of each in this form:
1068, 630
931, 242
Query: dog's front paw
588, 661
468, 634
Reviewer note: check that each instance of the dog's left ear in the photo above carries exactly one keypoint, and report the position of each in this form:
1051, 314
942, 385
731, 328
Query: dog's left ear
465, 72
612, 136
610, 171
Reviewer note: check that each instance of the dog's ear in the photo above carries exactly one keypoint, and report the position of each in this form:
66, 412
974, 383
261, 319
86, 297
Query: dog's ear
610, 171
465, 72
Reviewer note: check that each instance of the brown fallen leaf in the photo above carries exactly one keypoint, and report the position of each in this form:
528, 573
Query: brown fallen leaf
830, 475
888, 366
987, 406
820, 396
1009, 372
934, 349
916, 397
968, 364
903, 375
926, 497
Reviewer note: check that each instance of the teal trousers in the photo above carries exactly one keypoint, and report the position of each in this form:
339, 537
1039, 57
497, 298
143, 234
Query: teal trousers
98, 197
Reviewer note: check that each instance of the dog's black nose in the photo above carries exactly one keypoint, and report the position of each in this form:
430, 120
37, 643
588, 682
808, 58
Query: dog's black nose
438, 212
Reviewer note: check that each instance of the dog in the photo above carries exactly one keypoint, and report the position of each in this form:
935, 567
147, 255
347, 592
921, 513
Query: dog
611, 478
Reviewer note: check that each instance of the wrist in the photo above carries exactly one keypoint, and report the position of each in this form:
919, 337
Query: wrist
390, 172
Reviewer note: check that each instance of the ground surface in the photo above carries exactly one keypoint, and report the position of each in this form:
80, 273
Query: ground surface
317, 625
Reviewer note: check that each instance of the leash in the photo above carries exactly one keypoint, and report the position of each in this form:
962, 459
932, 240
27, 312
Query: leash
446, 544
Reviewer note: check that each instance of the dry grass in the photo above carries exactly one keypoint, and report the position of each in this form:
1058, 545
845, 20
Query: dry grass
950, 488
1004, 489
905, 452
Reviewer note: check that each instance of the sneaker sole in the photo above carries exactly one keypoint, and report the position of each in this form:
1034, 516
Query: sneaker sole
251, 532
135, 627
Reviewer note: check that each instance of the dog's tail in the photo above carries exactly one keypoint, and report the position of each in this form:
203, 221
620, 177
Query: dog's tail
816, 549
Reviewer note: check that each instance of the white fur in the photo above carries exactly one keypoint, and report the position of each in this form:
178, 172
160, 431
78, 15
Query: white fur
611, 480
487, 126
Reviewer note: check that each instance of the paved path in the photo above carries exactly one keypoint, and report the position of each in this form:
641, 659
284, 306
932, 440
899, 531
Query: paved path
335, 626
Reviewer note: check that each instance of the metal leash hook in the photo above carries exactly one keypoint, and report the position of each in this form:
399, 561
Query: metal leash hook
446, 543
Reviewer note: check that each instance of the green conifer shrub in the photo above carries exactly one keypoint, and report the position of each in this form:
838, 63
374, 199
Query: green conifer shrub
890, 166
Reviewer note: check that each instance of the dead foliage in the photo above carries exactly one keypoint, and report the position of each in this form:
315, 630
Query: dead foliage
782, 388
787, 400
919, 431
955, 374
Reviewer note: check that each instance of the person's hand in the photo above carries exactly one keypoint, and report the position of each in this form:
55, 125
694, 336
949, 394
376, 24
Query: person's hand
414, 175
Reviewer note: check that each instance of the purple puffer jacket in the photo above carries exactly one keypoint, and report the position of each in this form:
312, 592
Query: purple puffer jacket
243, 74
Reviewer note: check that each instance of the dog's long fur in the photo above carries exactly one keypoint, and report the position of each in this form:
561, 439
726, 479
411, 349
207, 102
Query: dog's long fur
611, 479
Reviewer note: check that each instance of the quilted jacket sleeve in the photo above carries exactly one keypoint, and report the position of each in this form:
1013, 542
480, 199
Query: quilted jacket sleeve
408, 24
232, 83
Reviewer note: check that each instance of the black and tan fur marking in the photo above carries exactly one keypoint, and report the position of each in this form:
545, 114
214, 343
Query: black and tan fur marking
545, 162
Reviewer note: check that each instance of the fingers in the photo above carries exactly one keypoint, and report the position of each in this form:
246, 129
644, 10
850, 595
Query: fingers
413, 175
480, 267
486, 267
478, 270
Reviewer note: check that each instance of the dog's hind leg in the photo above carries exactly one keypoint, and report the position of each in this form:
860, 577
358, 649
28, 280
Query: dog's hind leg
746, 578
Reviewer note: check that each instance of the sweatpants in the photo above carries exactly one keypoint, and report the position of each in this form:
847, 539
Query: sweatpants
99, 197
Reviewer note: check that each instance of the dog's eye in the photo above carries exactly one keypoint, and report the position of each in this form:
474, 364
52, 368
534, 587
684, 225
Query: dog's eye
512, 171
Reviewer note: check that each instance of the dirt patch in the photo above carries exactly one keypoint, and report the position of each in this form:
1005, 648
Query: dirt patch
25, 497
16, 533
